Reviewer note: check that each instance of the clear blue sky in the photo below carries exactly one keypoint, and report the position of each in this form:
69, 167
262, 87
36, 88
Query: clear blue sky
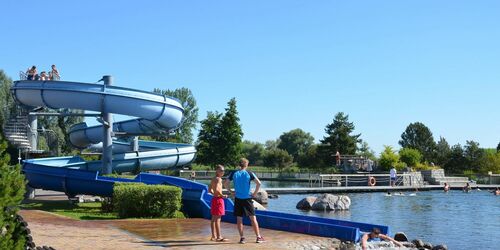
290, 64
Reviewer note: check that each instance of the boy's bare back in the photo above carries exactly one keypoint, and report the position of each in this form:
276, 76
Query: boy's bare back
216, 186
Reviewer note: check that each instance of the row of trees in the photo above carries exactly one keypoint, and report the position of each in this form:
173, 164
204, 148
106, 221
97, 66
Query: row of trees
296, 147
293, 147
454, 159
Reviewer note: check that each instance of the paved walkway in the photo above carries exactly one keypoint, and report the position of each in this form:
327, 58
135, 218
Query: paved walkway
66, 233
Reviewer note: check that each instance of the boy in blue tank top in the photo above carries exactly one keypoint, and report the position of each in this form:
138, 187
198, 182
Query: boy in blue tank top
243, 204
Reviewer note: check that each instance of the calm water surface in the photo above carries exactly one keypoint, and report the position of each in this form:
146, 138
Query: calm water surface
459, 220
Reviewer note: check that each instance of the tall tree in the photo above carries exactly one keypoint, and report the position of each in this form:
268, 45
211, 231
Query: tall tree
254, 152
339, 137
473, 155
64, 123
207, 145
295, 142
311, 158
6, 100
419, 137
457, 161
443, 152
271, 144
184, 133
498, 147
231, 135
277, 158
491, 163
12, 187
219, 140
365, 151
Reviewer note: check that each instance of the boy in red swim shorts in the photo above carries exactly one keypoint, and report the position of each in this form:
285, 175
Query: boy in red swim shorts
217, 205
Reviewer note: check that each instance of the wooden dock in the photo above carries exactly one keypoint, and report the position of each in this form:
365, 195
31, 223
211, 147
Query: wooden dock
366, 189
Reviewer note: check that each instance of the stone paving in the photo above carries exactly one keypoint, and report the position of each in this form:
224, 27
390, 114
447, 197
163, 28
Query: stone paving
65, 233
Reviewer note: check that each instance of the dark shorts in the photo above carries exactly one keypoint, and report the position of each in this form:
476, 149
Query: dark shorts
243, 207
393, 178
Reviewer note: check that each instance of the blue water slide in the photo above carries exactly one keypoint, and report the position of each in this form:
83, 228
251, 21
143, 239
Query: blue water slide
156, 114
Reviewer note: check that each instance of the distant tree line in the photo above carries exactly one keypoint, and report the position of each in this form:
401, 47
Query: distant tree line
419, 150
293, 148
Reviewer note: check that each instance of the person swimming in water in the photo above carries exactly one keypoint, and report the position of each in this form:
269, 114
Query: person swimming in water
375, 235
467, 188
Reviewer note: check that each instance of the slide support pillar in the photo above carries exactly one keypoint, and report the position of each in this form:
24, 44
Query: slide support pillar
107, 153
33, 132
135, 143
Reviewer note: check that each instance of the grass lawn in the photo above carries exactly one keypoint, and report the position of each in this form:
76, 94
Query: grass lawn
79, 211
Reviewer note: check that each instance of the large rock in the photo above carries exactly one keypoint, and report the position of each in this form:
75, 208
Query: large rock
325, 202
257, 205
331, 202
400, 236
261, 197
428, 245
418, 243
344, 202
440, 247
306, 203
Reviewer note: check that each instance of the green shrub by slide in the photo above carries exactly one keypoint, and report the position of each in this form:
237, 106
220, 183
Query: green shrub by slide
146, 201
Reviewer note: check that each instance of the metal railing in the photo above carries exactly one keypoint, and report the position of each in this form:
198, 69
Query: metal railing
23, 76
322, 180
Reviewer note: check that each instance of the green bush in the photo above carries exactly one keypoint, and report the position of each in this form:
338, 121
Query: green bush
424, 166
389, 158
410, 156
141, 200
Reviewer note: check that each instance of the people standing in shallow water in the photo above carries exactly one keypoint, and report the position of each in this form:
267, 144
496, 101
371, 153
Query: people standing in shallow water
446, 187
375, 235
496, 191
467, 188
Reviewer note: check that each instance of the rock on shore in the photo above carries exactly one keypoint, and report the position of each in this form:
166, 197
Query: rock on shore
261, 197
306, 203
325, 202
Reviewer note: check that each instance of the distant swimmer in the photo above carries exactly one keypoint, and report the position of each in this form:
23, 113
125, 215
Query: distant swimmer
388, 194
467, 188
446, 187
496, 191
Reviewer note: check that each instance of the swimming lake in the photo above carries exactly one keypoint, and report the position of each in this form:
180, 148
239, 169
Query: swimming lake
459, 220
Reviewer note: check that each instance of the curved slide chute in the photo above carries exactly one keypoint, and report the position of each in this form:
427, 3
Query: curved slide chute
156, 114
